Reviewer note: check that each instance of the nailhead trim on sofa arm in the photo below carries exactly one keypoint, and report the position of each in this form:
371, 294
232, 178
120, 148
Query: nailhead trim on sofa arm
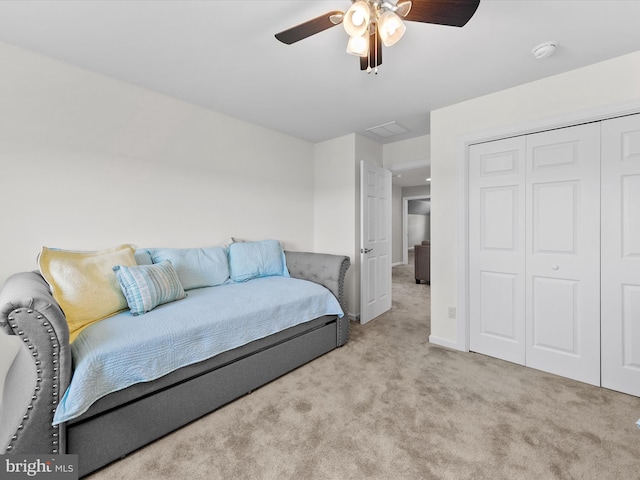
40, 372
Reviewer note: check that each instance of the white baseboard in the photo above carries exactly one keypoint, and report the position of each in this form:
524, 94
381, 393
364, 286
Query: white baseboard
443, 343
355, 317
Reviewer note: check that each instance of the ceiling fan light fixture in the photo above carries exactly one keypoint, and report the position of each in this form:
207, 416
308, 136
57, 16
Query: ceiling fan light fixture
381, 23
358, 46
390, 27
356, 19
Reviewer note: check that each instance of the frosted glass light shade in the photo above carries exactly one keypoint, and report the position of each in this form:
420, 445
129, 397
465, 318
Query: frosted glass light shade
358, 46
391, 28
356, 19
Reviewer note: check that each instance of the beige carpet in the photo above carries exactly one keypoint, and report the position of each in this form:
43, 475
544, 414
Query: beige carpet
389, 405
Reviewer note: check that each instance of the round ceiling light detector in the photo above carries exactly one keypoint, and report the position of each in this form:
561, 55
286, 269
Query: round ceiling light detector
544, 50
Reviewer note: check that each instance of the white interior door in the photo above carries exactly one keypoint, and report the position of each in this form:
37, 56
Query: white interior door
496, 244
563, 252
375, 241
621, 254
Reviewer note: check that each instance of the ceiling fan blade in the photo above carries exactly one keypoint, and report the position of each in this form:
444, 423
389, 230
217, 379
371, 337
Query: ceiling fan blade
455, 13
371, 60
311, 27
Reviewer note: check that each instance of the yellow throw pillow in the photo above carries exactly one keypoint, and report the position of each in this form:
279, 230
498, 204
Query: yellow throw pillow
84, 284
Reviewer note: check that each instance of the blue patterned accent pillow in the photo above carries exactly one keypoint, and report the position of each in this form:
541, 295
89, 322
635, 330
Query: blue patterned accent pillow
147, 286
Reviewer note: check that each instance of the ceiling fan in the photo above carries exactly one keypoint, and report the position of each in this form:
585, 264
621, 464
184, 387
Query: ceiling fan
371, 23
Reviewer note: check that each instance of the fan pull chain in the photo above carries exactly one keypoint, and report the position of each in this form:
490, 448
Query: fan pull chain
376, 48
375, 54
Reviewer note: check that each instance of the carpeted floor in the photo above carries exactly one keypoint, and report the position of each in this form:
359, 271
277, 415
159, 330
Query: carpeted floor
389, 405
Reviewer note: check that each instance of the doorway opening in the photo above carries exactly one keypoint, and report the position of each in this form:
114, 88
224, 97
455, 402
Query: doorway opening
416, 223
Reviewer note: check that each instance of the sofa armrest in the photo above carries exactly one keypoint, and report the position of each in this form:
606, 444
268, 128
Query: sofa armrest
323, 268
41, 370
327, 270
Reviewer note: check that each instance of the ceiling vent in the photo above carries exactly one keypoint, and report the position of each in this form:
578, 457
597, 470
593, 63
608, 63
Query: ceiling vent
387, 130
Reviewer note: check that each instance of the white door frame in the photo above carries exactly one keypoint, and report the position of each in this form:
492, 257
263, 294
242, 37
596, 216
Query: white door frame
462, 161
405, 221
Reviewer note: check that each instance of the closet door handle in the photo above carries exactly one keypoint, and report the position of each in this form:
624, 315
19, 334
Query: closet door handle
555, 267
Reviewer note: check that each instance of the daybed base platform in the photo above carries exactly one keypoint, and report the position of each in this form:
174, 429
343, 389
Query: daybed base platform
180, 397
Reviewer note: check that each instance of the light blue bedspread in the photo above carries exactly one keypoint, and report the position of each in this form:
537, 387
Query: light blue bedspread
123, 350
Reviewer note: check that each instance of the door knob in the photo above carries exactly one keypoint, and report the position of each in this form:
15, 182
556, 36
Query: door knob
367, 250
555, 267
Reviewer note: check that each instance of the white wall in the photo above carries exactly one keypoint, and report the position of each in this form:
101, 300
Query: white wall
416, 149
417, 191
396, 225
598, 85
87, 162
335, 177
417, 229
337, 203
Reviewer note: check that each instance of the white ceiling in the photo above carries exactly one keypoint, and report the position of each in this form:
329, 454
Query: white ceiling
411, 177
223, 55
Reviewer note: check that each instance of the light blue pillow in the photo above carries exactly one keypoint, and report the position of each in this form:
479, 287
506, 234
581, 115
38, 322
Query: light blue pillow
196, 267
147, 286
249, 260
143, 257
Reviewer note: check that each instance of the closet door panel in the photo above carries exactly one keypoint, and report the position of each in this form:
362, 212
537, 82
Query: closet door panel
554, 217
496, 249
555, 315
631, 328
562, 253
498, 304
630, 225
621, 254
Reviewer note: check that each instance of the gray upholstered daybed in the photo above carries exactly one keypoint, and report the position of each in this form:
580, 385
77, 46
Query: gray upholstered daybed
128, 419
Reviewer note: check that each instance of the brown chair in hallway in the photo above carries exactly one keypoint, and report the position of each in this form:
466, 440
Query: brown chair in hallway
422, 258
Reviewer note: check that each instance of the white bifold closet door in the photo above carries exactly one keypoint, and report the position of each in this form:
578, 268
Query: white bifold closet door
621, 254
563, 252
497, 249
534, 250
